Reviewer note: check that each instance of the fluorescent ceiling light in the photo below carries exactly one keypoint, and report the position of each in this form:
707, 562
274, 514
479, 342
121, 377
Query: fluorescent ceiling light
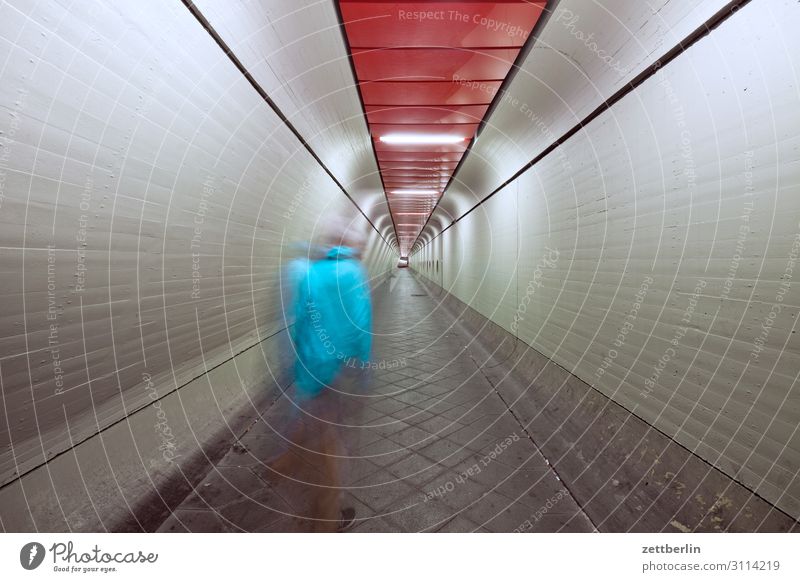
412, 191
420, 138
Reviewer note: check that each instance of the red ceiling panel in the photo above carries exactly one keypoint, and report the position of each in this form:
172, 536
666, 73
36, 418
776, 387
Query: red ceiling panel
432, 177
438, 148
429, 93
442, 166
463, 130
405, 178
413, 183
431, 185
417, 156
407, 174
428, 71
435, 115
433, 64
439, 24
399, 185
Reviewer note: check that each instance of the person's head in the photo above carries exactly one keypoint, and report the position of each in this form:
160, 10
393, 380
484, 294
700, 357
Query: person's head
341, 232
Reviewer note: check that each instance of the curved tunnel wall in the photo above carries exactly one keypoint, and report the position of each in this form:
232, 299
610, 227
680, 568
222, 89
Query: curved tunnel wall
652, 254
148, 192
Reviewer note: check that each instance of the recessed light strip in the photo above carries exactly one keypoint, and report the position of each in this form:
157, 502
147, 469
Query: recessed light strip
411, 192
420, 138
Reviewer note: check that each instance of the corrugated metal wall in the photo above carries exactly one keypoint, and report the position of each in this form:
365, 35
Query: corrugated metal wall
654, 252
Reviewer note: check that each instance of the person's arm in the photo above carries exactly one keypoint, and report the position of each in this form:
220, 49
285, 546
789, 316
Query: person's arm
361, 312
300, 307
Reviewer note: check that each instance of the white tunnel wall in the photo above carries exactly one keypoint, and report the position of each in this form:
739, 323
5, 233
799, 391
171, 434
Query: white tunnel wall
296, 52
148, 193
654, 251
586, 51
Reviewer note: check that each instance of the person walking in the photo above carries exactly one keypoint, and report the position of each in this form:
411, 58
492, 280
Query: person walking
332, 327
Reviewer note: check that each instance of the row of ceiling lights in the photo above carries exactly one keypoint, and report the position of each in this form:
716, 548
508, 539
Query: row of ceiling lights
419, 139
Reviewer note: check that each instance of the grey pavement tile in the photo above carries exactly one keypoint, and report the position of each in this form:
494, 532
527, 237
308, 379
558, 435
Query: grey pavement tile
223, 485
448, 384
416, 515
412, 436
502, 426
195, 521
354, 438
363, 512
387, 405
514, 449
458, 524
266, 428
297, 486
257, 512
416, 470
492, 404
475, 439
387, 459
289, 525
382, 391
355, 470
576, 522
446, 409
393, 376
256, 448
446, 452
454, 490
491, 506
405, 383
291, 464
387, 491
530, 486
411, 396
411, 414
388, 425
360, 416
519, 453
491, 472
432, 388
508, 520
438, 425
173, 524
384, 452
475, 414
425, 376
375, 525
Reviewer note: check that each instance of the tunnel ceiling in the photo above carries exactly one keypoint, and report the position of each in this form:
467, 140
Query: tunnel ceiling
427, 74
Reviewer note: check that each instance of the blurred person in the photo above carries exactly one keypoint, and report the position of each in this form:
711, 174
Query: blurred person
296, 259
332, 326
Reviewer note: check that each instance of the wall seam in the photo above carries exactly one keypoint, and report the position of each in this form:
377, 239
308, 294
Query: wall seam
195, 11
703, 30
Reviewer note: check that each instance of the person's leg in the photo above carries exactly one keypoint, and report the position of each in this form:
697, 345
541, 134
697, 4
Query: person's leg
327, 507
294, 432
316, 443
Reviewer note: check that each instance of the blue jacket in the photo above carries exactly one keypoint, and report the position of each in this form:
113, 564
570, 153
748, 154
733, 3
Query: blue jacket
333, 319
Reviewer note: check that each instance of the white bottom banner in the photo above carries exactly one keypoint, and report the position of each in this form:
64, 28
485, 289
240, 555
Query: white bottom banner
400, 556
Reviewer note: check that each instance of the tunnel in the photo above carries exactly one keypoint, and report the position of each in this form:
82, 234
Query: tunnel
576, 223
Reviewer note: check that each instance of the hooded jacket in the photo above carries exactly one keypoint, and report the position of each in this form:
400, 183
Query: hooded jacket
333, 319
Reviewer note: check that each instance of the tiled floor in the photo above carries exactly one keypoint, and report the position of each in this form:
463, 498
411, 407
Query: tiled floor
433, 447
